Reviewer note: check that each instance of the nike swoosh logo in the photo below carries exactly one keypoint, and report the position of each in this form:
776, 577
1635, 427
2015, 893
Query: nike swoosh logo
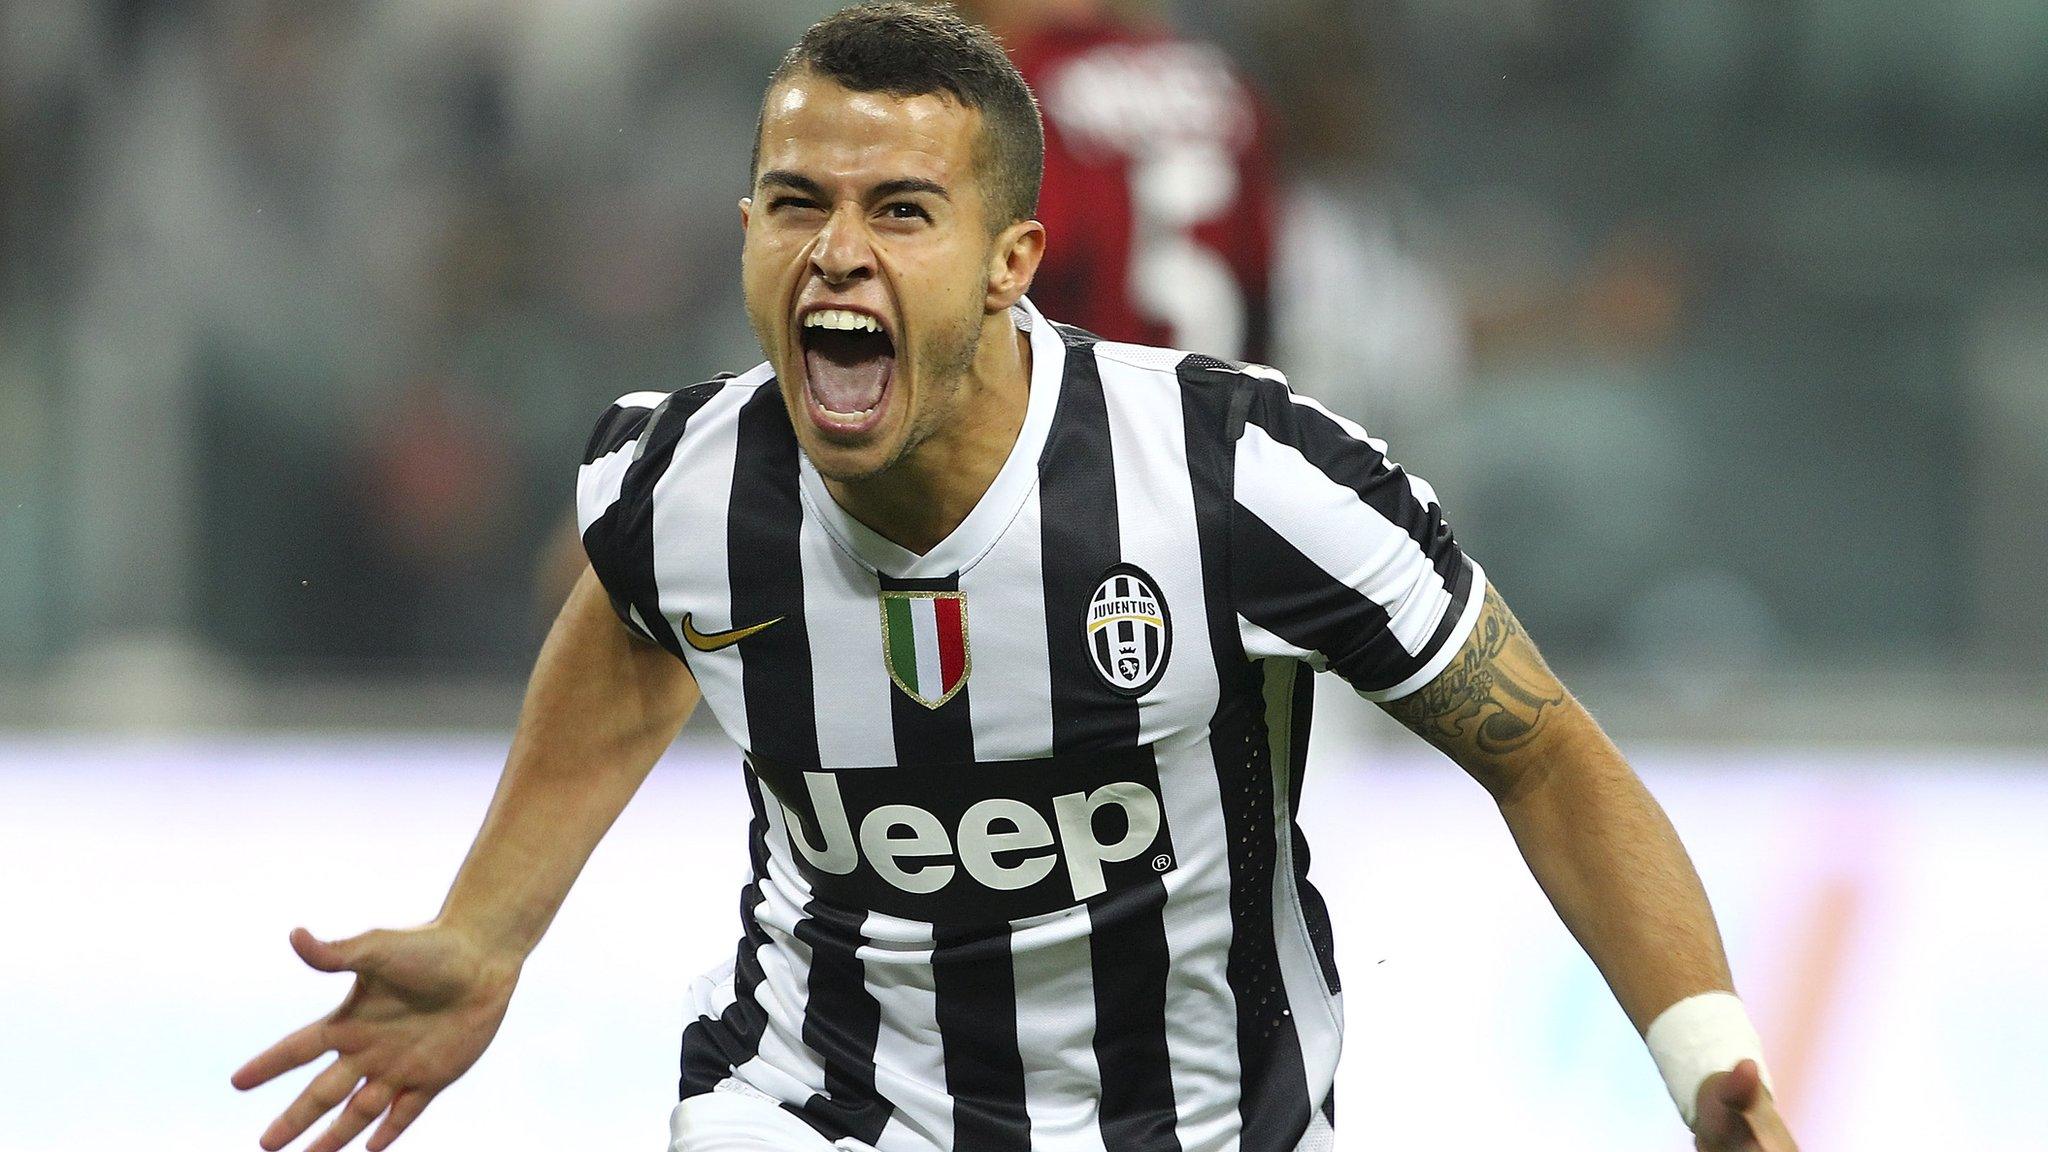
713, 641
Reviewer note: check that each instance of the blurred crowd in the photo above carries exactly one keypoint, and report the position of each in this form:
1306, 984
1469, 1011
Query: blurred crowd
1722, 327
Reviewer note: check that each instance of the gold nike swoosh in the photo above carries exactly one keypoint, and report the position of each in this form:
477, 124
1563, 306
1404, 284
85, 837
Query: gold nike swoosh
713, 641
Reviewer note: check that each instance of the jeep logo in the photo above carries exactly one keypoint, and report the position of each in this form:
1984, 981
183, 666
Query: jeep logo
927, 844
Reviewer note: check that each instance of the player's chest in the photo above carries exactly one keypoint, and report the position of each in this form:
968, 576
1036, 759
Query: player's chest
1047, 642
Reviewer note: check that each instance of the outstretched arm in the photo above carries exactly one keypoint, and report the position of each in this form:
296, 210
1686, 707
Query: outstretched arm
599, 710
1596, 841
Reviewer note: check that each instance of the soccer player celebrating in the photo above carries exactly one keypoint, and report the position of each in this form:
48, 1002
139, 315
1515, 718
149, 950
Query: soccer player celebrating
1015, 628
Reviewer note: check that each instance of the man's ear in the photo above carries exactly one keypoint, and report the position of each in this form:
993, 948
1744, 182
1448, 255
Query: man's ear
1013, 262
746, 212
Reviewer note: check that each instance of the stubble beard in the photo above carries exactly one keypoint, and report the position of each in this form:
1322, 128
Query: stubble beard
947, 356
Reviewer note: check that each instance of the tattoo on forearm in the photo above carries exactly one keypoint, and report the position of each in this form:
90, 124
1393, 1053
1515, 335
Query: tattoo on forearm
1494, 695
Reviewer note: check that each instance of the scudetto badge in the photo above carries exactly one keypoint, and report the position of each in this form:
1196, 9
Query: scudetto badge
924, 644
1129, 634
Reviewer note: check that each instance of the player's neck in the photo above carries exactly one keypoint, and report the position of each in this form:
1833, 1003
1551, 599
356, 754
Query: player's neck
921, 500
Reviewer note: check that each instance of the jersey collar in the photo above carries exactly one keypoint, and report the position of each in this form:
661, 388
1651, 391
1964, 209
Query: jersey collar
997, 507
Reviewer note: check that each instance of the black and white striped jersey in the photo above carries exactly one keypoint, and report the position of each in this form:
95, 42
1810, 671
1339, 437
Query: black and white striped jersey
1025, 872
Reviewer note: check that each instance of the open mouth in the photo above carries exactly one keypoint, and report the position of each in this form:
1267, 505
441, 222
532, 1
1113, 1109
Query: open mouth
848, 362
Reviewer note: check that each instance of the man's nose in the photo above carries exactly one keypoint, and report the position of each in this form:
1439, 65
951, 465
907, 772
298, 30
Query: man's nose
843, 253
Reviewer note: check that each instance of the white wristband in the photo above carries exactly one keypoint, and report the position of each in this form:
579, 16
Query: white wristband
1697, 1037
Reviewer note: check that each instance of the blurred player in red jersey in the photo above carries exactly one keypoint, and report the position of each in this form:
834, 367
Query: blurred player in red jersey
1160, 185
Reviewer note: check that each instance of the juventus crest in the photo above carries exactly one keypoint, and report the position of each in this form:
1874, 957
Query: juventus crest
1129, 635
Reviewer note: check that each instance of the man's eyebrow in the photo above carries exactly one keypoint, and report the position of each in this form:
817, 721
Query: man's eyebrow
888, 188
902, 185
785, 179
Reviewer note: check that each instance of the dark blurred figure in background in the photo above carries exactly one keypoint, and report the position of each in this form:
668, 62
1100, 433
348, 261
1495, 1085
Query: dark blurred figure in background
1364, 307
1396, 298
1160, 187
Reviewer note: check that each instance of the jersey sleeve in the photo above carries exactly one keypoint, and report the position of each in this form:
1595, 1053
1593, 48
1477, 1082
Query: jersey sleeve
1339, 557
605, 510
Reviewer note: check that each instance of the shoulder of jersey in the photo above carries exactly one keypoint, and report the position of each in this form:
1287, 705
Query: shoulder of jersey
656, 421
1158, 358
1245, 388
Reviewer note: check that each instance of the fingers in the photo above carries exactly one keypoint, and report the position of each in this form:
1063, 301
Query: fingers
366, 1105
1740, 1089
329, 1088
404, 1110
1737, 1114
293, 1051
302, 1046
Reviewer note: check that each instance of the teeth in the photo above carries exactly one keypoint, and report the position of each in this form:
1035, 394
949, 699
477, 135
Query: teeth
842, 320
839, 417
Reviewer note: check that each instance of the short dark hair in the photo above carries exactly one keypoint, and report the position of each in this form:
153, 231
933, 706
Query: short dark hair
907, 49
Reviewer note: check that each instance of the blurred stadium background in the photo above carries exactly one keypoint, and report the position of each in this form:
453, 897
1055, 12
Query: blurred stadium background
1721, 326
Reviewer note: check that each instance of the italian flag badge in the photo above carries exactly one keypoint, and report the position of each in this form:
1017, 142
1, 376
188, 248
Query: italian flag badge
924, 643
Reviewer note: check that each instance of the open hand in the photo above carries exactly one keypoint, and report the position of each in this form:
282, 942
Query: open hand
425, 1005
1736, 1114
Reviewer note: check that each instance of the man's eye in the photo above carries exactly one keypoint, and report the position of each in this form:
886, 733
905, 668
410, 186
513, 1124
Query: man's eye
780, 202
904, 210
